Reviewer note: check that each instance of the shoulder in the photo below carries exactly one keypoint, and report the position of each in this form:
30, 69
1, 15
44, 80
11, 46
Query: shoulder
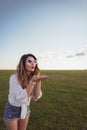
13, 76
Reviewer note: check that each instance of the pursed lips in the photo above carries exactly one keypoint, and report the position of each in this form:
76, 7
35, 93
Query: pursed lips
33, 67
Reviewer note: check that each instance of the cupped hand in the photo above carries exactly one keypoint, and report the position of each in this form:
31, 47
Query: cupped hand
36, 78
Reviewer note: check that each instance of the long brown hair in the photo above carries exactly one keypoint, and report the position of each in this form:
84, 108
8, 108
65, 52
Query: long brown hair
22, 74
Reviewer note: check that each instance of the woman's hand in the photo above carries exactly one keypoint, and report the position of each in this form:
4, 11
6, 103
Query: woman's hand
36, 78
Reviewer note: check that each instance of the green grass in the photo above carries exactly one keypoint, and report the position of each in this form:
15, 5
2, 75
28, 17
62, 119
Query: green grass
63, 105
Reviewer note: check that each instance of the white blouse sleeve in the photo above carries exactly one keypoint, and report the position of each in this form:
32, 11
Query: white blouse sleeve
19, 93
40, 95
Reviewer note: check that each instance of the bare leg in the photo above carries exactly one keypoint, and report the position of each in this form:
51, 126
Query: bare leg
23, 123
12, 125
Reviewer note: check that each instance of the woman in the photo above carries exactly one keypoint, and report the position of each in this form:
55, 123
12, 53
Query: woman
24, 85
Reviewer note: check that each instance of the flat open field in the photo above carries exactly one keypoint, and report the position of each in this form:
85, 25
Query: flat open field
63, 105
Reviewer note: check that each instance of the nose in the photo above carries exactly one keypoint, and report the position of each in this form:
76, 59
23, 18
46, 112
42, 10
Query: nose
32, 63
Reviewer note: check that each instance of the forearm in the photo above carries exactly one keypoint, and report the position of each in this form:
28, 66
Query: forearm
30, 88
37, 90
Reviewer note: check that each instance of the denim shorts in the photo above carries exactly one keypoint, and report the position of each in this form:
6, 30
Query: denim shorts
12, 112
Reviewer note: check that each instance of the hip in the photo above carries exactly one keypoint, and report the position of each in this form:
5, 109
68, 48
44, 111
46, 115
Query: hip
13, 112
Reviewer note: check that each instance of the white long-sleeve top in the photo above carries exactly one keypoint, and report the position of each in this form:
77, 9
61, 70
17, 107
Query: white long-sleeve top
18, 96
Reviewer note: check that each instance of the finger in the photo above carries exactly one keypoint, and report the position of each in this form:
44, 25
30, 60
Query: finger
44, 77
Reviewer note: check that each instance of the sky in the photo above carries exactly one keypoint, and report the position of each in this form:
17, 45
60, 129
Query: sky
55, 31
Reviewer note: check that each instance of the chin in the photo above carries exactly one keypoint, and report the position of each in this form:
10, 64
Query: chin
32, 70
29, 71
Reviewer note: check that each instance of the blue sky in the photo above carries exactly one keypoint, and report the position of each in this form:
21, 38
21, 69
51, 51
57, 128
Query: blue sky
53, 30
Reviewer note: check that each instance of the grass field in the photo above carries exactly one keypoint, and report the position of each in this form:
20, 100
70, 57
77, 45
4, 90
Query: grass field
63, 105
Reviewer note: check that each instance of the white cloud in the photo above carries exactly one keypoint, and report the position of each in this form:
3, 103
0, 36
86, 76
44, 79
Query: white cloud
81, 52
48, 56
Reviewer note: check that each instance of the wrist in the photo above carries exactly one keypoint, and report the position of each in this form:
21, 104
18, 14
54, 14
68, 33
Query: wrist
38, 82
32, 82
